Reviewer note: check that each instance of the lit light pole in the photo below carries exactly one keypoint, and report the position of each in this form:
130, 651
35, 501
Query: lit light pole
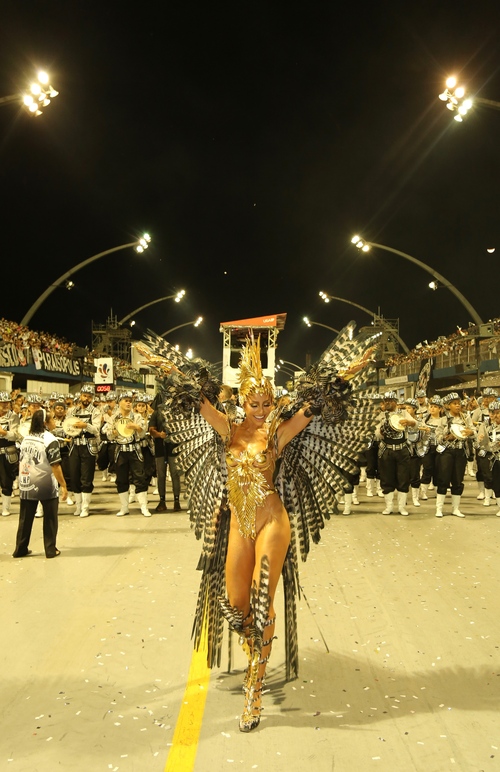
293, 364
459, 103
365, 246
281, 369
326, 297
39, 95
195, 323
309, 323
177, 297
140, 245
287, 371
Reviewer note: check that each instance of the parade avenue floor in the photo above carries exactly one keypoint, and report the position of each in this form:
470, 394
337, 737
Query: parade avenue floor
399, 631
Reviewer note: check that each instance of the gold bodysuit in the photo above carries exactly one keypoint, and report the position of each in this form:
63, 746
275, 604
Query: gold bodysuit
247, 486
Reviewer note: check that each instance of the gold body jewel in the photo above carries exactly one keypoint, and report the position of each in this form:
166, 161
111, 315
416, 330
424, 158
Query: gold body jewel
248, 487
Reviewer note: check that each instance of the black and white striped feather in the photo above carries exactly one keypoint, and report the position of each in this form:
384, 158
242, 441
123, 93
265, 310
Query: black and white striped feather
310, 473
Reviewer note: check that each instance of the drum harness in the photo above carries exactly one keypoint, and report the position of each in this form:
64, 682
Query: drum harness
398, 437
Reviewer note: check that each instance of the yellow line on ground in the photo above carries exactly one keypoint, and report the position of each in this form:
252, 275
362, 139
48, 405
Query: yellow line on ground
187, 731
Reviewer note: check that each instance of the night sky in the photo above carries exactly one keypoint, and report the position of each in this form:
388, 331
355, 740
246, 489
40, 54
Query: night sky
251, 140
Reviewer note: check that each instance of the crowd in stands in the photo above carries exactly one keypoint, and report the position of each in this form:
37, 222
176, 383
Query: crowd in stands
457, 341
22, 337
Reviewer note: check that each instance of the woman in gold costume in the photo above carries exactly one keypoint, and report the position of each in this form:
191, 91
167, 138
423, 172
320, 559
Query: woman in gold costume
245, 508
259, 528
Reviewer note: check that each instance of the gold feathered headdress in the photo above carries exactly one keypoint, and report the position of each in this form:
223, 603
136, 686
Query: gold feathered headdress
251, 378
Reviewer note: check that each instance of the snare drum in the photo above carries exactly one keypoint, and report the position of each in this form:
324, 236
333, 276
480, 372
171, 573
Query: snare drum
69, 427
122, 426
458, 431
395, 421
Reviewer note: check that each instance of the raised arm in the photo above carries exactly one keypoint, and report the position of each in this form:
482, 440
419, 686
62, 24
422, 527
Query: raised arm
219, 421
291, 427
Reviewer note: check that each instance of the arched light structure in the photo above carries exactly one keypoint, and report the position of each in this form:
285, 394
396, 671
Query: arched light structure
194, 323
326, 297
293, 364
310, 323
365, 246
177, 297
140, 245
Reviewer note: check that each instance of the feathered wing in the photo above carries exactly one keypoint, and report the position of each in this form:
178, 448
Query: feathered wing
313, 466
200, 458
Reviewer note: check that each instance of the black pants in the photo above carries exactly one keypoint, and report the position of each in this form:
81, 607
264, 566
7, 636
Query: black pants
429, 466
27, 509
8, 473
352, 480
415, 466
371, 455
66, 470
479, 473
450, 470
129, 469
82, 469
495, 479
106, 457
394, 470
149, 464
161, 476
484, 471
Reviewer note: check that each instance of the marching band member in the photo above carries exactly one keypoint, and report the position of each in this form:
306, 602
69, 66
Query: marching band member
451, 460
481, 415
371, 456
412, 438
423, 404
106, 459
54, 397
488, 451
426, 447
9, 457
17, 405
489, 438
127, 428
86, 421
141, 406
393, 454
59, 412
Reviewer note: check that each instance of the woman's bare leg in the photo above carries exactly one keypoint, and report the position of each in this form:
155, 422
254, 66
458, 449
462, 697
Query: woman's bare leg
240, 564
272, 542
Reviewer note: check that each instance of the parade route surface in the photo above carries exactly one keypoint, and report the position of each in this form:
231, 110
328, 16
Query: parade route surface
399, 633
